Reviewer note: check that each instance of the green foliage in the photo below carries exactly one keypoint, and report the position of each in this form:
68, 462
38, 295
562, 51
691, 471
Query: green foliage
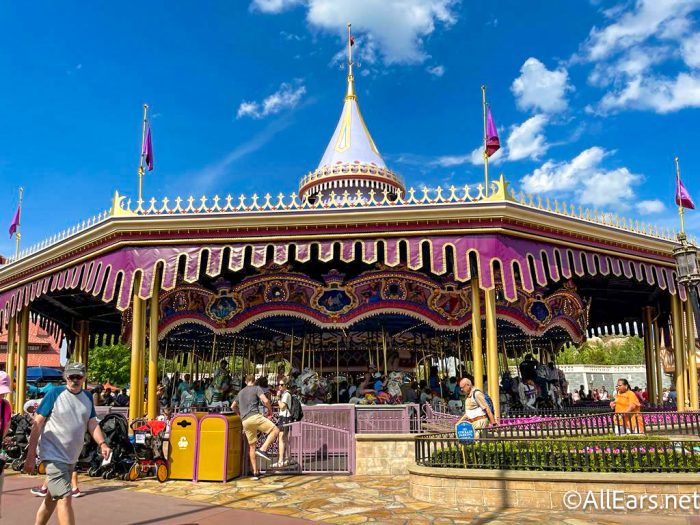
634, 454
110, 364
629, 351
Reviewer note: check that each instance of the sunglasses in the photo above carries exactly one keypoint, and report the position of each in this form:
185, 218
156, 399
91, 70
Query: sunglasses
75, 378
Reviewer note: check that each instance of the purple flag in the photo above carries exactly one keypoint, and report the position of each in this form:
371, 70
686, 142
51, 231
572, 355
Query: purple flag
15, 222
148, 149
492, 142
683, 198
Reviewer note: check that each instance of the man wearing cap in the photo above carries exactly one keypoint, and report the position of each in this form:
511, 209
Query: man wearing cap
59, 428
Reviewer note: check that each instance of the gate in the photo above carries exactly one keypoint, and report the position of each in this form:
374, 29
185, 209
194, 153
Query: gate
321, 449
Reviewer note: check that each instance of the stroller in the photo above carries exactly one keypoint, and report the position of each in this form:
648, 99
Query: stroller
17, 441
115, 430
148, 447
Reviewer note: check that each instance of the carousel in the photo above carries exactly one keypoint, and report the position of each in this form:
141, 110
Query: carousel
357, 269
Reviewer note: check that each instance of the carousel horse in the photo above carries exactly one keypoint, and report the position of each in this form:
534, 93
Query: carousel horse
393, 386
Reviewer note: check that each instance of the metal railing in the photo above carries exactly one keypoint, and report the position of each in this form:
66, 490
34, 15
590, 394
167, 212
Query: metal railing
675, 423
638, 454
388, 419
230, 204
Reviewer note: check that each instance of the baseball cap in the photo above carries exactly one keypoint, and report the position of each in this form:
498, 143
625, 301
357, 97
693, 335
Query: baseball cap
74, 369
4, 383
31, 404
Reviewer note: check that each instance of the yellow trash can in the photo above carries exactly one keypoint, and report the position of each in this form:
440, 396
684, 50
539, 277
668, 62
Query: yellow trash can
219, 447
184, 429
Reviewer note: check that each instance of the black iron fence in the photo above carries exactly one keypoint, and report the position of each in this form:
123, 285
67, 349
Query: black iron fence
624, 454
671, 423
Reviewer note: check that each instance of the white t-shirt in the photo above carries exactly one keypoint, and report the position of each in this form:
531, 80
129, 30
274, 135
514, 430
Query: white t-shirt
287, 400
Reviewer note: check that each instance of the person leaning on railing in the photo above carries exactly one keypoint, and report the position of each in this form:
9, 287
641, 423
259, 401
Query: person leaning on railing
476, 410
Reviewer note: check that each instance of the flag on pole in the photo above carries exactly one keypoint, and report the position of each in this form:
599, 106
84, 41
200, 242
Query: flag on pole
15, 222
148, 149
683, 198
493, 144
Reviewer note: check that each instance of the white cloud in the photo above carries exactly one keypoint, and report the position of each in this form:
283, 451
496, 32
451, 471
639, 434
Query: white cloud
448, 161
274, 6
475, 158
690, 50
630, 65
649, 207
641, 36
539, 88
399, 27
286, 97
208, 176
584, 178
527, 139
660, 94
436, 71
663, 18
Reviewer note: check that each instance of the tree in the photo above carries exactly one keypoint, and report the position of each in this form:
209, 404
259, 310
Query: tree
629, 351
110, 364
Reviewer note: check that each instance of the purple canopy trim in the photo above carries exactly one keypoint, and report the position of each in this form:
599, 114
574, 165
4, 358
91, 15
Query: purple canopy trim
514, 256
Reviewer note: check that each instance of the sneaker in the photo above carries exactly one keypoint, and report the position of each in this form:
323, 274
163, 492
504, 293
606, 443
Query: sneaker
39, 491
256, 477
76, 492
263, 455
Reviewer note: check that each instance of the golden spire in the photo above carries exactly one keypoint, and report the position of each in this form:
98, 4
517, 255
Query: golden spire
350, 95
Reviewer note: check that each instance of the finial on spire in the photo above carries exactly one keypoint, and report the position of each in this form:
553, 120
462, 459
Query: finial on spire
351, 79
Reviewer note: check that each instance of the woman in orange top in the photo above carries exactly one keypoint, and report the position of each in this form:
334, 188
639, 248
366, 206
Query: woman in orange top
627, 409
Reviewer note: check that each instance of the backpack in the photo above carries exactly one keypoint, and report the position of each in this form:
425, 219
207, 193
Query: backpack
295, 410
489, 402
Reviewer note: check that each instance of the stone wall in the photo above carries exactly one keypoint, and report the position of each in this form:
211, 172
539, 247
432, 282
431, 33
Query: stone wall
491, 490
384, 454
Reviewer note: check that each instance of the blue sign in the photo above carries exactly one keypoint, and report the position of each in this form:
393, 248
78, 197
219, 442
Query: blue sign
465, 432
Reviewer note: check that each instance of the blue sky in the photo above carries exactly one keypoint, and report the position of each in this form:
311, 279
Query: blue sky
592, 99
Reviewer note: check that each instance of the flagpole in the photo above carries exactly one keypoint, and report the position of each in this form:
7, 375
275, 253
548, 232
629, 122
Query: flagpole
350, 48
486, 156
680, 203
143, 154
17, 233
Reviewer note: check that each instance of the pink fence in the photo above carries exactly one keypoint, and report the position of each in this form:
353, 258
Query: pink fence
387, 419
334, 416
319, 449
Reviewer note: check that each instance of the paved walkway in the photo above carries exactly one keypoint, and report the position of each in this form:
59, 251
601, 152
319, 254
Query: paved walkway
116, 504
282, 500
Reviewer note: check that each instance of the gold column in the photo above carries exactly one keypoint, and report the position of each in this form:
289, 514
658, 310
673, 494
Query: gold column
11, 354
658, 364
137, 348
22, 360
477, 353
84, 344
648, 352
142, 364
691, 361
492, 349
153, 350
677, 324
684, 354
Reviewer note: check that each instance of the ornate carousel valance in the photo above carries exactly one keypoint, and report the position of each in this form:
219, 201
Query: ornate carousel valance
518, 263
337, 303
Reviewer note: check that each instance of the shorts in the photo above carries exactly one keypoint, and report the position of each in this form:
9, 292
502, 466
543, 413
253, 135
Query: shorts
58, 478
282, 421
254, 424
